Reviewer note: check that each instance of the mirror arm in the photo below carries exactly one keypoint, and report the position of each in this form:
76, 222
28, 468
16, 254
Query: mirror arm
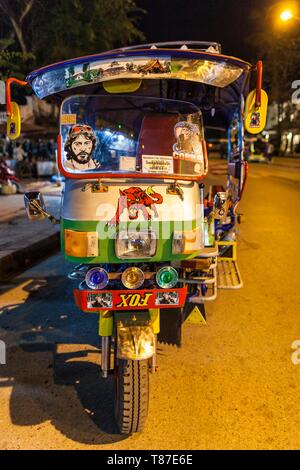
50, 217
8, 84
259, 68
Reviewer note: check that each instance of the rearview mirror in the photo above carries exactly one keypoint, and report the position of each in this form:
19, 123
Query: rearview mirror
221, 203
14, 122
36, 209
35, 205
256, 113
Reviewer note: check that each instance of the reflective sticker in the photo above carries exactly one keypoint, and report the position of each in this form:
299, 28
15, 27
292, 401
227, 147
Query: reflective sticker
196, 317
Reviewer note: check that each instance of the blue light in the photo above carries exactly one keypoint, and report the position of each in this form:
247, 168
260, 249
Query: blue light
96, 278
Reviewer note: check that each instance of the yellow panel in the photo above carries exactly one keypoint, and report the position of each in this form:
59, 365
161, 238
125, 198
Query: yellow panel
122, 85
106, 323
256, 117
81, 244
155, 319
14, 122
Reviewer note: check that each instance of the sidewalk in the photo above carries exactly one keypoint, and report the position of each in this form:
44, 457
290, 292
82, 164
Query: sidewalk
23, 242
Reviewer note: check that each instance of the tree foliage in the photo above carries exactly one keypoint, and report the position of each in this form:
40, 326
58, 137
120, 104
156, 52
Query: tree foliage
36, 32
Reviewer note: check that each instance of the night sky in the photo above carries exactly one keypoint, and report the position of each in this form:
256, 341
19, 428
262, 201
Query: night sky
224, 21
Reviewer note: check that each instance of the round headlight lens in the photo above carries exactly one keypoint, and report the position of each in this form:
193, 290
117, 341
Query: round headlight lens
167, 277
133, 278
96, 278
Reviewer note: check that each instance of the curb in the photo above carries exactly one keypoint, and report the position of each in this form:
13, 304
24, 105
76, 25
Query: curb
22, 259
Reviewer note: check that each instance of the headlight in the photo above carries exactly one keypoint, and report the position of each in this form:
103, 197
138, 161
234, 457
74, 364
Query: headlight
96, 278
135, 342
134, 245
133, 278
167, 277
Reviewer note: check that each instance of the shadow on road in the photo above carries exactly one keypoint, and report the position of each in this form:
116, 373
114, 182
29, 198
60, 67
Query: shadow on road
52, 365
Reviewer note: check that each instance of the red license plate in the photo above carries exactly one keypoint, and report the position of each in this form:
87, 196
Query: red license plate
89, 301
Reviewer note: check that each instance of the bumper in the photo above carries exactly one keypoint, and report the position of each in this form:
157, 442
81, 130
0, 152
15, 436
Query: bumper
93, 301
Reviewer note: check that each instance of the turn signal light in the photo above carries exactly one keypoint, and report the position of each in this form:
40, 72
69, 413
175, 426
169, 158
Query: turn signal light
186, 242
81, 244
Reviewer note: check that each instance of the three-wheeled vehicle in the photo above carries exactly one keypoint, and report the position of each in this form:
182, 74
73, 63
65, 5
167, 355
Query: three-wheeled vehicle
149, 242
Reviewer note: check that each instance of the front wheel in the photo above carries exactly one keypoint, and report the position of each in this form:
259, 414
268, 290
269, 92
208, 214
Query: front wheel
132, 395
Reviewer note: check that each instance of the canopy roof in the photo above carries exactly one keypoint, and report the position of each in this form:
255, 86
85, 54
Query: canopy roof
202, 75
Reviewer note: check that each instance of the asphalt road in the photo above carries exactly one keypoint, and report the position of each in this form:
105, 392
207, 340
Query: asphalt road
233, 384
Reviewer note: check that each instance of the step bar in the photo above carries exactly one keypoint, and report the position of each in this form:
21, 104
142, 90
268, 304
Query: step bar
217, 269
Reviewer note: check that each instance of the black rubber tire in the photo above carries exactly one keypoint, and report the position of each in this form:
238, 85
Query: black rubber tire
132, 395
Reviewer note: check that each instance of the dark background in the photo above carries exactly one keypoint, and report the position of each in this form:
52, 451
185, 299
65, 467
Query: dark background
225, 21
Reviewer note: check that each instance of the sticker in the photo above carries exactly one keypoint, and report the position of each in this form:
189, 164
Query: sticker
68, 119
255, 120
100, 300
216, 72
127, 163
188, 145
197, 168
157, 164
167, 298
134, 300
79, 148
104, 70
136, 200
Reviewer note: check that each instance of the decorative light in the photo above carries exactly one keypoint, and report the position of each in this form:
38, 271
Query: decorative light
133, 278
167, 277
96, 278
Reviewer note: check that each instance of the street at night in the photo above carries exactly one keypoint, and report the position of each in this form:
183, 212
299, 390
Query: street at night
233, 384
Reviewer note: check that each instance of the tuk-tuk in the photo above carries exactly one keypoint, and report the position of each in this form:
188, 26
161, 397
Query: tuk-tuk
150, 243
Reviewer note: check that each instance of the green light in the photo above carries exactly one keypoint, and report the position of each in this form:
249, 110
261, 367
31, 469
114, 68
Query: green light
167, 277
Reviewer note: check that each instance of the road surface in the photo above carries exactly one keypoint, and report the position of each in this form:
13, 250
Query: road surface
233, 384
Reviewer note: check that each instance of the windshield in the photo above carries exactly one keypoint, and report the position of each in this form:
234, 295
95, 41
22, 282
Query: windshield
115, 135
